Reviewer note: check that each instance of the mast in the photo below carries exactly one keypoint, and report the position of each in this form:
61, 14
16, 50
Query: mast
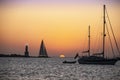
88, 51
104, 22
89, 41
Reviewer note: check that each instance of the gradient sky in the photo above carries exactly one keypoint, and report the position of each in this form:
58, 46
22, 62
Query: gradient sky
62, 24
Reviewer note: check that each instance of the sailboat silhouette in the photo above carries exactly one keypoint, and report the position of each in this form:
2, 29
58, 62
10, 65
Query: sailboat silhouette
95, 59
43, 51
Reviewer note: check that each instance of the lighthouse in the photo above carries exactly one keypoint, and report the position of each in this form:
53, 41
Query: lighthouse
26, 51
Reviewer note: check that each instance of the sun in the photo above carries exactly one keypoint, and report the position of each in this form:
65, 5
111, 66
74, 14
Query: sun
62, 56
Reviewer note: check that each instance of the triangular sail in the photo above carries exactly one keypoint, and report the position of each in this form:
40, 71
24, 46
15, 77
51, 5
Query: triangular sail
43, 51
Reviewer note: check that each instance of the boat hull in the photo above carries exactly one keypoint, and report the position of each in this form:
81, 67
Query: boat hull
97, 61
69, 62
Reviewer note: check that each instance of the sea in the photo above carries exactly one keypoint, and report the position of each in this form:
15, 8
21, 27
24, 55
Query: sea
12, 68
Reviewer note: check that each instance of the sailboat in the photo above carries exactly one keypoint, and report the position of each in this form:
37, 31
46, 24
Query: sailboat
43, 51
93, 59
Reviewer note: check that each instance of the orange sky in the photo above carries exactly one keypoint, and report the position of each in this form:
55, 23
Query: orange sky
62, 26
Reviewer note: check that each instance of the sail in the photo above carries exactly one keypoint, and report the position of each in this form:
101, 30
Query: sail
43, 51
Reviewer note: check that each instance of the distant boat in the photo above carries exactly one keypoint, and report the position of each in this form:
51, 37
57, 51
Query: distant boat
97, 58
69, 62
43, 51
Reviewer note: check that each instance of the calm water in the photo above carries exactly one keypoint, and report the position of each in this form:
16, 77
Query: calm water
54, 69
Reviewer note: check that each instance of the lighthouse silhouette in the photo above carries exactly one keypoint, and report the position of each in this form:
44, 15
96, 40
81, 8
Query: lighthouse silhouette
26, 51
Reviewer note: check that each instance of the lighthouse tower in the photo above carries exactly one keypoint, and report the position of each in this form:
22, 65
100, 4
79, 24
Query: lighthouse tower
26, 51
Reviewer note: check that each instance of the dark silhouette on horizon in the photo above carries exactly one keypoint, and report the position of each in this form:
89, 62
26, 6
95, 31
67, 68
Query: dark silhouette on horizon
26, 51
11, 55
43, 51
99, 58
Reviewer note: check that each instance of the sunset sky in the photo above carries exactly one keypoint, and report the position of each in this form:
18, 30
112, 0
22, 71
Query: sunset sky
62, 24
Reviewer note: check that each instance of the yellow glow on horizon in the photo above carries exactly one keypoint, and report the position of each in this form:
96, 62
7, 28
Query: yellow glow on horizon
62, 56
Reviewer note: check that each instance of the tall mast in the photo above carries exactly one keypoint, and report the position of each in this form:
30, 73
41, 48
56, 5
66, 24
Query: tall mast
89, 41
104, 22
88, 51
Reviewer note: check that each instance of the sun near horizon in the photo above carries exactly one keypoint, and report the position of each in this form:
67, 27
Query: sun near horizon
62, 56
